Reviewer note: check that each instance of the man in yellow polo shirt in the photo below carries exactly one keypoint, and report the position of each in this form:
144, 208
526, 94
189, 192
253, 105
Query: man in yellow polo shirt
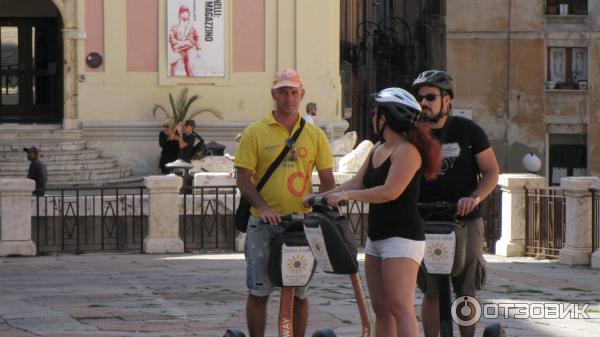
260, 144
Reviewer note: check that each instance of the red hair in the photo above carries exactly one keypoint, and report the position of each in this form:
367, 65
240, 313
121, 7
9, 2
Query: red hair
429, 148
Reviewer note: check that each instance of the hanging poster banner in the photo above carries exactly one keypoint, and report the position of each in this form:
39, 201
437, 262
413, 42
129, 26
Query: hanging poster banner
195, 38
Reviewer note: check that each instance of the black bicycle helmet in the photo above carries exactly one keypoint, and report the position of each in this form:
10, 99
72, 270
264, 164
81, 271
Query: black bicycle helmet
400, 103
435, 78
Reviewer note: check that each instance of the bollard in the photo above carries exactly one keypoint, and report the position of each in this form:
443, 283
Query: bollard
512, 239
596, 255
163, 215
15, 226
578, 232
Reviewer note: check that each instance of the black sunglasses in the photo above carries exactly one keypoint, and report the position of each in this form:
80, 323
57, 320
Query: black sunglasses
430, 97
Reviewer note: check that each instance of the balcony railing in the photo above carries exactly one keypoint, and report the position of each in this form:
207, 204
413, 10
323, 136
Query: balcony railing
566, 7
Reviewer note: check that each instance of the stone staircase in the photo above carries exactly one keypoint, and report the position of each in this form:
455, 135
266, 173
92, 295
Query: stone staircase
70, 163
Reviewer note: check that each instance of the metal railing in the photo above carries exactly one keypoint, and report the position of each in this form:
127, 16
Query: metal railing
491, 212
82, 220
595, 220
545, 219
115, 219
207, 220
357, 214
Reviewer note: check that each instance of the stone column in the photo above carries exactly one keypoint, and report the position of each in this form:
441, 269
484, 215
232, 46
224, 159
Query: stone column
596, 254
512, 239
15, 228
71, 37
163, 215
578, 232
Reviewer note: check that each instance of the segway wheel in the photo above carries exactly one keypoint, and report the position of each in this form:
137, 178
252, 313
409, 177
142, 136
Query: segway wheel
234, 333
324, 332
494, 330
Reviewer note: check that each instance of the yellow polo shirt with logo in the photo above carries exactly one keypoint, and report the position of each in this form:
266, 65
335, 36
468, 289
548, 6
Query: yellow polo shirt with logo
261, 144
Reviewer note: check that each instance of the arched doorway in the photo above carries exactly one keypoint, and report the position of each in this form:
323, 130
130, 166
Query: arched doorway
31, 62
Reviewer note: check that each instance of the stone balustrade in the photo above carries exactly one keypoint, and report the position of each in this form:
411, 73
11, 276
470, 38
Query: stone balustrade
164, 204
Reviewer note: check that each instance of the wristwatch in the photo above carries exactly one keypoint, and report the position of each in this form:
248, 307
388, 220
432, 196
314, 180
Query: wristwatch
475, 196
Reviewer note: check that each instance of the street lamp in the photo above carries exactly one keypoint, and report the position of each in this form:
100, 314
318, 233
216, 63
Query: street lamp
532, 163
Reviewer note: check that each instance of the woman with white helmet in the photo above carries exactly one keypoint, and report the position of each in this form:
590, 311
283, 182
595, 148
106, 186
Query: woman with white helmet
389, 181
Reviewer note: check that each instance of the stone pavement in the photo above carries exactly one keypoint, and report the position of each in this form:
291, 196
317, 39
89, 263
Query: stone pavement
202, 295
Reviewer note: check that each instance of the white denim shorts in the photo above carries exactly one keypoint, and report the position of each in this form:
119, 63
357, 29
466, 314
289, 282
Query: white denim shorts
396, 247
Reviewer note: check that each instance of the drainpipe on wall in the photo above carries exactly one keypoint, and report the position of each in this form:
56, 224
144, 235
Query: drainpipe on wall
507, 114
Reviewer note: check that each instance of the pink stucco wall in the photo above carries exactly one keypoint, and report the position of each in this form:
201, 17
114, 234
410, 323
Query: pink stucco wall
248, 35
94, 27
142, 35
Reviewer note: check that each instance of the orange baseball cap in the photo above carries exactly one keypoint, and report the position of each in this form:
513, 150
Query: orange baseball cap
287, 78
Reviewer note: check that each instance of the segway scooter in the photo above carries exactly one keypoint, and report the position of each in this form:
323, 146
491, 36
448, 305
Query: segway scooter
326, 235
291, 265
445, 257
333, 245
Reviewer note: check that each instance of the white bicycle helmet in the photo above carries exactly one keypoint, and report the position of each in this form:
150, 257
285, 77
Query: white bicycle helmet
400, 103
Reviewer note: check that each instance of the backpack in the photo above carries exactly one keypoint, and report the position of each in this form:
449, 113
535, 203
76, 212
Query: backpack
199, 149
331, 240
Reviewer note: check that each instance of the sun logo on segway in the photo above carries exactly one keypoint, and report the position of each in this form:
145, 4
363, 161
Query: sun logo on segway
297, 264
437, 251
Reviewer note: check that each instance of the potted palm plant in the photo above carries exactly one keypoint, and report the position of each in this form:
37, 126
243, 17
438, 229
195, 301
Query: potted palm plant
181, 107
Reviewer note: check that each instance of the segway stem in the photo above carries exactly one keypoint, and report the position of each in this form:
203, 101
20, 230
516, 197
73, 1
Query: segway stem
286, 312
445, 306
362, 304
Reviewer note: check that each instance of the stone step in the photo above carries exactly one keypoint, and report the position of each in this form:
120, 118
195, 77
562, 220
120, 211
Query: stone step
98, 174
69, 162
61, 165
129, 181
75, 175
12, 127
43, 145
38, 135
49, 156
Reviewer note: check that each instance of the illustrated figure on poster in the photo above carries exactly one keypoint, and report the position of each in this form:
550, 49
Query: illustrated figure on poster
184, 43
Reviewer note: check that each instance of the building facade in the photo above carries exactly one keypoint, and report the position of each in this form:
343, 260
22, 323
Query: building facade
386, 43
526, 71
102, 65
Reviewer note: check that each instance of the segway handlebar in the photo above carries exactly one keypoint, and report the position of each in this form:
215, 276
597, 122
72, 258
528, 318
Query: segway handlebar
443, 209
322, 201
293, 219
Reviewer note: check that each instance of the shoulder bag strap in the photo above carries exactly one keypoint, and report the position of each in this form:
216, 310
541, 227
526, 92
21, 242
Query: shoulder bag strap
284, 152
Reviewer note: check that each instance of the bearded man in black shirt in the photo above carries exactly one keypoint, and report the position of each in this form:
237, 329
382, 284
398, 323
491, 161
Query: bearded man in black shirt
469, 174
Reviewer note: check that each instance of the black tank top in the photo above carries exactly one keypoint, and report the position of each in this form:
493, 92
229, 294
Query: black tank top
396, 218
